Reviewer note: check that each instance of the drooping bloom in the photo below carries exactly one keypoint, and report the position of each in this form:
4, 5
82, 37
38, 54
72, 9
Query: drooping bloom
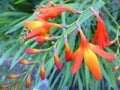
5, 86
40, 28
115, 68
12, 76
42, 71
101, 35
42, 39
33, 51
26, 62
88, 50
28, 80
68, 52
16, 87
57, 60
53, 11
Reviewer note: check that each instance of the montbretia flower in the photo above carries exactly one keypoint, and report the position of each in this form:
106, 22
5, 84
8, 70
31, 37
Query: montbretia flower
115, 68
33, 51
101, 35
16, 87
12, 76
42, 39
88, 50
53, 11
40, 28
57, 60
26, 62
42, 71
28, 80
5, 86
68, 52
118, 78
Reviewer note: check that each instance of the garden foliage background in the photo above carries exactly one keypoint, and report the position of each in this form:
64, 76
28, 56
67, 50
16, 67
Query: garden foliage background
12, 15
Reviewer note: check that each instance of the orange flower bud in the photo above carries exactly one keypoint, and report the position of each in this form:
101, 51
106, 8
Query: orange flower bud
12, 76
5, 86
115, 68
26, 62
33, 51
42, 71
28, 80
68, 52
118, 78
57, 60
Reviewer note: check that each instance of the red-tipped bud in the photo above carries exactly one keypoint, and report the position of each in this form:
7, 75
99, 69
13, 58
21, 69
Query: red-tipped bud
12, 76
28, 80
16, 87
42, 39
26, 62
33, 51
118, 78
42, 71
68, 52
115, 68
57, 60
5, 86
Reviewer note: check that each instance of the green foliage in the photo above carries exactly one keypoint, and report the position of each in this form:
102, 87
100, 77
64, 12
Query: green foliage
15, 12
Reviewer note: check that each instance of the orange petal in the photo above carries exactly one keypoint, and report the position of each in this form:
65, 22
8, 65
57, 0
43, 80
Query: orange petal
28, 81
33, 24
92, 62
40, 31
57, 62
118, 78
77, 61
31, 51
102, 53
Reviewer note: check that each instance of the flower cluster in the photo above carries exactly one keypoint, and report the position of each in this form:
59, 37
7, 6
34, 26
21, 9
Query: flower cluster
40, 29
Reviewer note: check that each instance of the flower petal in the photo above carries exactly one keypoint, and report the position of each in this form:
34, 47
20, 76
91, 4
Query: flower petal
28, 81
92, 62
102, 53
42, 72
77, 61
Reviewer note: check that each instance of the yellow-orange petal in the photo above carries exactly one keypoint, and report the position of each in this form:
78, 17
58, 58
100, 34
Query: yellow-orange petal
102, 53
28, 81
77, 61
26, 62
31, 51
57, 62
42, 72
118, 78
115, 68
91, 61
68, 53
33, 24
12, 76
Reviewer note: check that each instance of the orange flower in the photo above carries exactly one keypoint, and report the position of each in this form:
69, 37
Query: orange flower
88, 50
40, 28
116, 68
16, 87
53, 11
57, 60
28, 80
42, 71
118, 78
68, 52
5, 86
42, 39
101, 34
26, 62
33, 51
12, 76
